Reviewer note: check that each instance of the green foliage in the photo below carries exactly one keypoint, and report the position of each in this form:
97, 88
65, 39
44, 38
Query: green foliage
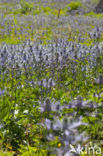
25, 6
46, 10
31, 151
74, 5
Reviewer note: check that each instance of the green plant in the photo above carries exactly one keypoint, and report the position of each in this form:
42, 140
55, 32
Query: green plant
25, 6
74, 5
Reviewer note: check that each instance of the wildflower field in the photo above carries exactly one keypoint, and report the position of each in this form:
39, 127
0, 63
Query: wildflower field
51, 78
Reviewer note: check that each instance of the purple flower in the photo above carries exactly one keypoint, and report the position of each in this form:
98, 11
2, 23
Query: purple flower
2, 92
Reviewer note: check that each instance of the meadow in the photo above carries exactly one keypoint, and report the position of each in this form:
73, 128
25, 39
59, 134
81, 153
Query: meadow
51, 77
